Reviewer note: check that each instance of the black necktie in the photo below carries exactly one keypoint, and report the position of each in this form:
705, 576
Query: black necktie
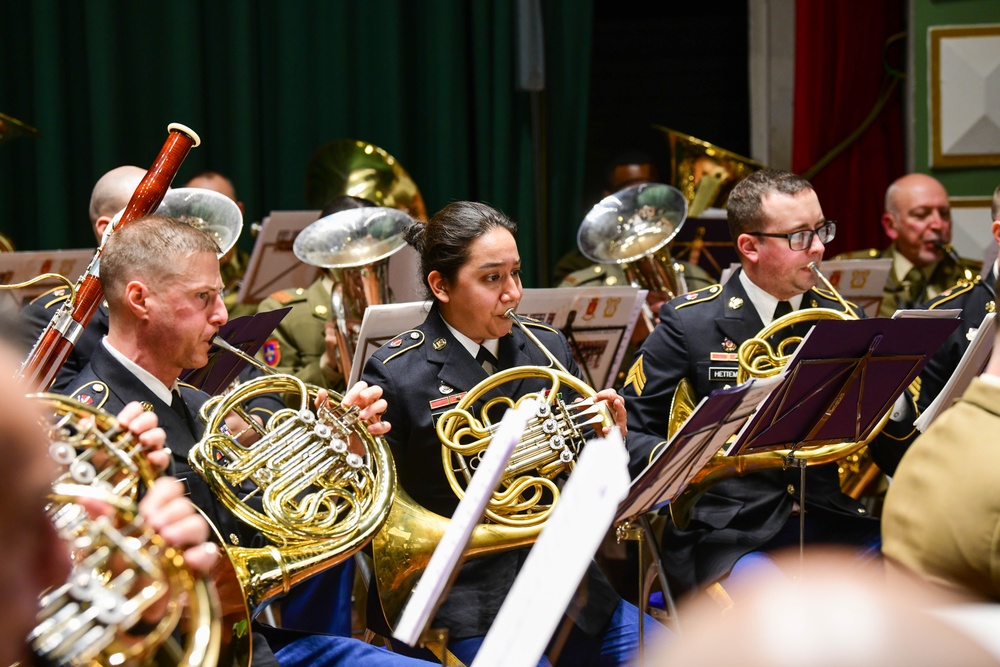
487, 360
177, 405
783, 308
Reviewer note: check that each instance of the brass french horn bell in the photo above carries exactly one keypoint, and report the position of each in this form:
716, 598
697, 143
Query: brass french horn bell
704, 172
361, 169
211, 212
633, 228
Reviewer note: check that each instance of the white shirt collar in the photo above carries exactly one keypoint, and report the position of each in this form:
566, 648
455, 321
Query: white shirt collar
491, 344
764, 302
161, 390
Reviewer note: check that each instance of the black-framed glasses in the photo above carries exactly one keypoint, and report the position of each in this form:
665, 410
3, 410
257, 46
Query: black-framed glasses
803, 239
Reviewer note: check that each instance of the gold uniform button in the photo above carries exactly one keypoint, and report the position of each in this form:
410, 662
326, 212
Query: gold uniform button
320, 310
234, 539
862, 510
791, 489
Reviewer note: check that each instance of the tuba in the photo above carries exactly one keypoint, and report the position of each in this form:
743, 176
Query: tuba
517, 511
122, 572
705, 173
357, 243
633, 228
757, 359
316, 483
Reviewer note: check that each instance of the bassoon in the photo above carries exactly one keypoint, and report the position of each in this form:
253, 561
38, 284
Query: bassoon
56, 342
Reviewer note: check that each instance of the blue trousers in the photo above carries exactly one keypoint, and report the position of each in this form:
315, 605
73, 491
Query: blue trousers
321, 603
331, 651
618, 644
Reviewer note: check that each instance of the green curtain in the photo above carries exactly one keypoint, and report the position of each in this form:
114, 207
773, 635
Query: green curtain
266, 83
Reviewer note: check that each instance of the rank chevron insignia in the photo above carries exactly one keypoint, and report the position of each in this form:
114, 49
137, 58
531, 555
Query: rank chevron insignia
636, 376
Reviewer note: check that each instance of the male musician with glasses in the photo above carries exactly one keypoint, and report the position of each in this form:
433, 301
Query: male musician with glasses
917, 221
163, 287
778, 228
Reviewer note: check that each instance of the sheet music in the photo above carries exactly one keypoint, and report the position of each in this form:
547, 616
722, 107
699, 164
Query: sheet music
23, 265
924, 313
559, 559
971, 365
861, 281
273, 266
379, 325
430, 589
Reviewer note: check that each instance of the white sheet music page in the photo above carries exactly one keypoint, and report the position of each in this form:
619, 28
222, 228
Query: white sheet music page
559, 559
429, 591
970, 365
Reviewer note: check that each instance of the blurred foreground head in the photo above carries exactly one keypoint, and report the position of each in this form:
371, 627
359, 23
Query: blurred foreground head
833, 614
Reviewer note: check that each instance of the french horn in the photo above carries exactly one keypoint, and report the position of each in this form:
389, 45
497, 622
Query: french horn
758, 358
129, 598
517, 511
316, 483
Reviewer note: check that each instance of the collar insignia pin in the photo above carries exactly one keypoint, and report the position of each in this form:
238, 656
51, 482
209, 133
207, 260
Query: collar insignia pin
736, 303
440, 343
147, 406
991, 306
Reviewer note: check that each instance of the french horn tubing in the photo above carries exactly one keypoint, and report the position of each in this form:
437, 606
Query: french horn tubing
129, 598
757, 358
517, 511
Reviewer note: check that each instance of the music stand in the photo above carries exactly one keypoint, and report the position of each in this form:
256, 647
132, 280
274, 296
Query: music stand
245, 333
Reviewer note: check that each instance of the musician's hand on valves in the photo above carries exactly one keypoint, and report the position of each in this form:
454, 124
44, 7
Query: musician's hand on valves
369, 402
616, 406
167, 510
144, 425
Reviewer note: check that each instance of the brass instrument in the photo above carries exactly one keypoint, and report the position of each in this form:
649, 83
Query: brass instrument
757, 358
357, 243
206, 210
323, 483
517, 510
6, 245
360, 169
704, 172
122, 571
633, 229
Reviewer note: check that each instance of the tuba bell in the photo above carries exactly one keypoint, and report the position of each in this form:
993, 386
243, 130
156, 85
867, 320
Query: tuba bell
357, 244
517, 511
124, 577
633, 228
704, 172
757, 359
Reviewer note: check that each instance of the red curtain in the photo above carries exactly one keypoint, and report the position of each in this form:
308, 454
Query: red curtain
846, 60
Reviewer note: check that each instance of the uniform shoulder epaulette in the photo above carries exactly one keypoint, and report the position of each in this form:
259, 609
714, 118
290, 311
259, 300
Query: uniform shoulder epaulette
287, 296
949, 294
52, 296
188, 385
537, 324
826, 294
94, 393
698, 296
404, 342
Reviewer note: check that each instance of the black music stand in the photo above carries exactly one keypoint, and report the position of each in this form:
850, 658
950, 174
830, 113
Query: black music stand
843, 379
246, 333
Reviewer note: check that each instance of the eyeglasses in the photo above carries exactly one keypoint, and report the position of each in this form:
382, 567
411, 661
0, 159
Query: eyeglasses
802, 240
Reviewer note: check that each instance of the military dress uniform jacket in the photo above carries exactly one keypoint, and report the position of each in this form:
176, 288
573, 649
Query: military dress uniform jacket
418, 369
697, 338
297, 343
975, 301
945, 275
942, 512
37, 314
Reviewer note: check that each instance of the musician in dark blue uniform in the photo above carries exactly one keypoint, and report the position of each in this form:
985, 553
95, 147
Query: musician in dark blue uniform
163, 287
778, 227
975, 300
471, 265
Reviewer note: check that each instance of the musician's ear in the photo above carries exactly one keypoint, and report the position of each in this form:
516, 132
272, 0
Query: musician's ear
136, 296
748, 246
438, 285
